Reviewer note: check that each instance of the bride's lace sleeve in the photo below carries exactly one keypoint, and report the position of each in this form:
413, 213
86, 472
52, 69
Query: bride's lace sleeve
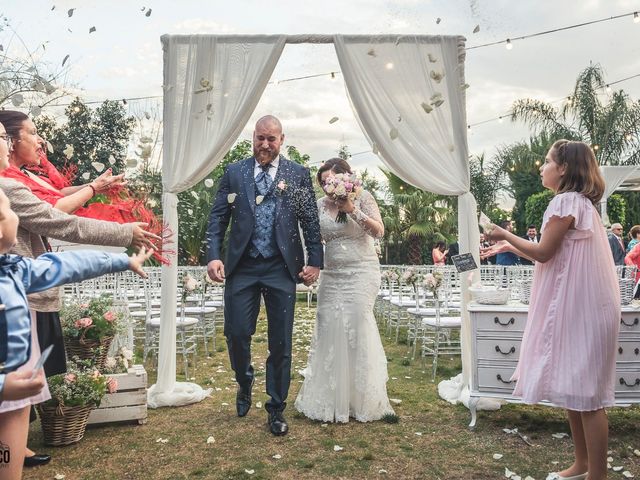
367, 215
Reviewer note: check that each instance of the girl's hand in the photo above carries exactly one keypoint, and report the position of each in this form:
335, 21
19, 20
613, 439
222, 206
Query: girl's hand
499, 247
496, 233
345, 205
136, 261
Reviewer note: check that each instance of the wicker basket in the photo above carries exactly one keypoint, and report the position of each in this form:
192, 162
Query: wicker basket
490, 295
89, 350
626, 290
63, 425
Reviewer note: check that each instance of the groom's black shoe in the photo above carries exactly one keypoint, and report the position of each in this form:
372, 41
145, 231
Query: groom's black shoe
277, 424
243, 400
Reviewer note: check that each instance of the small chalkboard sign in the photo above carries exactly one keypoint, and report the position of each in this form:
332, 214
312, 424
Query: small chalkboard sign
464, 262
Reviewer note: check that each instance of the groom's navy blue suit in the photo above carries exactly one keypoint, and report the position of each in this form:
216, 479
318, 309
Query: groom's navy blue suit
264, 255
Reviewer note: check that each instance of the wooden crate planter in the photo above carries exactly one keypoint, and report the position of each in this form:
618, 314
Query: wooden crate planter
129, 403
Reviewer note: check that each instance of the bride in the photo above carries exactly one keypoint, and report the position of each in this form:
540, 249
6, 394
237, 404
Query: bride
346, 373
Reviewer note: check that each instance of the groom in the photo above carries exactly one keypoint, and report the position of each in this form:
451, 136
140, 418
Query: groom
265, 198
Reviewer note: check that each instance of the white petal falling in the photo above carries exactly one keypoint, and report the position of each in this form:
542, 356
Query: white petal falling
559, 435
59, 476
211, 440
259, 199
617, 469
112, 160
334, 119
231, 197
337, 448
208, 183
98, 166
49, 147
627, 474
393, 133
426, 107
86, 175
249, 471
277, 456
190, 212
497, 456
476, 29
17, 100
68, 151
258, 404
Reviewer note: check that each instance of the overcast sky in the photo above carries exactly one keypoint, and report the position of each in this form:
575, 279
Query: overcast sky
123, 57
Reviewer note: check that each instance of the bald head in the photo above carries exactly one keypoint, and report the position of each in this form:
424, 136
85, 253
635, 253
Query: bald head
271, 121
267, 139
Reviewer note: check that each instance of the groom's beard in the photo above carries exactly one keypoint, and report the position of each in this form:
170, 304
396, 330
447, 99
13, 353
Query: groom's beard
265, 155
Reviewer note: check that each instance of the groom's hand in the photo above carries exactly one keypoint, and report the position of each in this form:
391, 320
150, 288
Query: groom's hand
215, 269
309, 275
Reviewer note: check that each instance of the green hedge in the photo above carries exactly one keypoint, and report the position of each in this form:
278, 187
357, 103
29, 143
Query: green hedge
535, 207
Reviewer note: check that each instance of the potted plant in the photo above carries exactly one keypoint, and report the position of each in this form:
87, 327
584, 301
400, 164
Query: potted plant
89, 327
73, 395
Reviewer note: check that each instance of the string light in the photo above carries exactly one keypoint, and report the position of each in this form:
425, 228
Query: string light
608, 88
389, 66
636, 19
509, 45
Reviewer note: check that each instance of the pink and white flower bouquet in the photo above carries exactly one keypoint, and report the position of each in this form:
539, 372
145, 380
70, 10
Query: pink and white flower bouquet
91, 320
342, 186
82, 385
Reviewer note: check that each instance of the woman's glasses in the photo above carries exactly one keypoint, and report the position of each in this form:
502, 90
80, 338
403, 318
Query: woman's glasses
6, 138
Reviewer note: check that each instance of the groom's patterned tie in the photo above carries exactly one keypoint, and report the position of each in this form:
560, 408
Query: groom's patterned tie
263, 241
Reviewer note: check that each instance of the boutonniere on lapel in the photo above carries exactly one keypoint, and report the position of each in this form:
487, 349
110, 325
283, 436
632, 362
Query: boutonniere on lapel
281, 187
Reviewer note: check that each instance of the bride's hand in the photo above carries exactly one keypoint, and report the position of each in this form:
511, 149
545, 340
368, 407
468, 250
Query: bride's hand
345, 205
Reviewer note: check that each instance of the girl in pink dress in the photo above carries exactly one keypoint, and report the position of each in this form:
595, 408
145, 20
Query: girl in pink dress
568, 351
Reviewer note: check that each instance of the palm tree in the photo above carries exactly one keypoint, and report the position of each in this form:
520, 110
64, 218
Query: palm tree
417, 217
611, 127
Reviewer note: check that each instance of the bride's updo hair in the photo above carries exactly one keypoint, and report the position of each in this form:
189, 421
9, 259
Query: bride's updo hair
336, 165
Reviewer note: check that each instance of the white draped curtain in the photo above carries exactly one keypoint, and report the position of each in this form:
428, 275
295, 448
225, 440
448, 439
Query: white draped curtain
212, 84
408, 94
613, 178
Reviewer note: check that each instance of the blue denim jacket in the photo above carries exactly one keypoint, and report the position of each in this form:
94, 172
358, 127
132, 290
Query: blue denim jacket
20, 276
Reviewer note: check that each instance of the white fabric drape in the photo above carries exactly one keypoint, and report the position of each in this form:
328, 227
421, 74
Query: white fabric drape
212, 84
408, 96
613, 178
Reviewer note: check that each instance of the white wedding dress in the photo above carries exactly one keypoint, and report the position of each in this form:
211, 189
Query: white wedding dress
346, 373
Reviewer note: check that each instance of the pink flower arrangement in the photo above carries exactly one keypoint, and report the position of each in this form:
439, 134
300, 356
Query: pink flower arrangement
85, 322
109, 316
112, 385
70, 377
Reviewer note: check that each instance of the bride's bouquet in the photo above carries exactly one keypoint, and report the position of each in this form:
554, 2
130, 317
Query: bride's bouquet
342, 186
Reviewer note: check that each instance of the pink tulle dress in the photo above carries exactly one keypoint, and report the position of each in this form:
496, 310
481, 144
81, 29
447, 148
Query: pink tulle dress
568, 353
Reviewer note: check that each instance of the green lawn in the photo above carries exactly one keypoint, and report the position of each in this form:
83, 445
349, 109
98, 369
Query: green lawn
430, 441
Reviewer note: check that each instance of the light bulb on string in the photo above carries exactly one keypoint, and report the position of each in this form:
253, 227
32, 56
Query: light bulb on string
389, 66
333, 75
596, 147
509, 45
636, 17
608, 88
499, 119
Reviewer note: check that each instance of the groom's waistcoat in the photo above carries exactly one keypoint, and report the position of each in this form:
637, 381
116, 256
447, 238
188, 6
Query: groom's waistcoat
263, 239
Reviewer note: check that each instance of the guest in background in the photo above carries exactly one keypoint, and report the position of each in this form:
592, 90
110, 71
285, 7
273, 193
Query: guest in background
454, 249
507, 258
533, 237
484, 244
616, 244
439, 254
634, 237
